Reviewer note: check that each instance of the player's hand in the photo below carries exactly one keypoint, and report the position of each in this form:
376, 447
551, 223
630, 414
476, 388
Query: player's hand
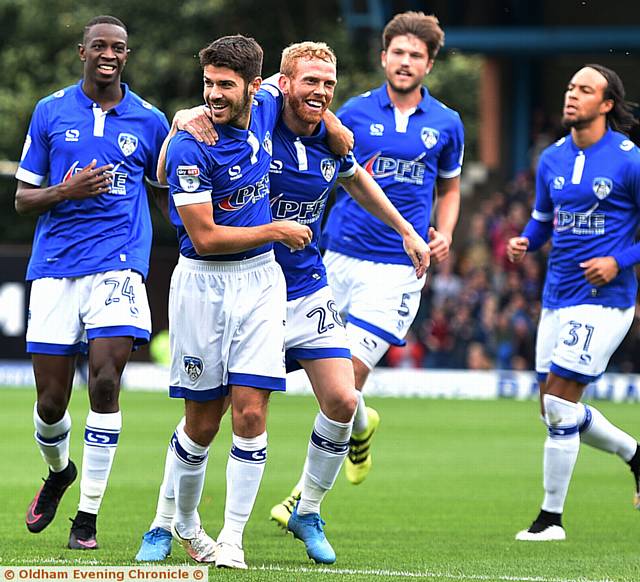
293, 235
517, 248
600, 270
439, 244
88, 182
197, 121
418, 251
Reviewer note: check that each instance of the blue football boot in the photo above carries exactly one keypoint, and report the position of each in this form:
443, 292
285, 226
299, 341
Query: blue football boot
156, 546
308, 528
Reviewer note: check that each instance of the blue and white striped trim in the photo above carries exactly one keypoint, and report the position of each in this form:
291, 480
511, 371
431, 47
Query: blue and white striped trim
258, 457
101, 437
542, 376
375, 330
350, 172
327, 445
542, 216
29, 177
571, 375
588, 419
51, 441
446, 174
184, 456
57, 349
186, 198
562, 432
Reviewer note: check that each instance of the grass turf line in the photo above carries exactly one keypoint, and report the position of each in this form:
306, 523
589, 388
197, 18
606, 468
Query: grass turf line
452, 482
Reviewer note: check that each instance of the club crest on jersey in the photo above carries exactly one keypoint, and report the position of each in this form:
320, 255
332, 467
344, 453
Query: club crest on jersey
602, 187
189, 178
429, 137
193, 366
558, 183
328, 169
128, 143
266, 143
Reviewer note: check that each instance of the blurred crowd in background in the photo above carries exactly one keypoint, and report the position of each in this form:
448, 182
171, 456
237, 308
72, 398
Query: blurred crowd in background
478, 310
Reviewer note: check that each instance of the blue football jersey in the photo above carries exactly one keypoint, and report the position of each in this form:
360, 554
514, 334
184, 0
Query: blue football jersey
233, 175
108, 232
405, 154
593, 198
302, 173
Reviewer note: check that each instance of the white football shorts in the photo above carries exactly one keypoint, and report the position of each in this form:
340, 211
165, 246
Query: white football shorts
66, 313
226, 326
379, 302
315, 330
577, 342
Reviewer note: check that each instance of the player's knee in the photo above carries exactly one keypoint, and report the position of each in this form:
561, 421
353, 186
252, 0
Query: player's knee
559, 412
341, 406
51, 407
104, 389
203, 431
250, 419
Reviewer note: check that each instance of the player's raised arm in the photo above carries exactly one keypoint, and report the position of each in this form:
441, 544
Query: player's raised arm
366, 192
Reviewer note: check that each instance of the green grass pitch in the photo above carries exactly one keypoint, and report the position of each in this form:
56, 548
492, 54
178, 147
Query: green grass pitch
452, 482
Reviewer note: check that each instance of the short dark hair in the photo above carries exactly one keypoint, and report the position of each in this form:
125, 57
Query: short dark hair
103, 19
241, 54
423, 26
621, 117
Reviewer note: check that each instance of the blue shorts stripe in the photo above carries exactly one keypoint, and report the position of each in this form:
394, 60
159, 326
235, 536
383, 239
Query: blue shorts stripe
293, 356
318, 353
571, 375
255, 381
327, 445
57, 349
51, 441
542, 376
140, 336
374, 329
184, 456
198, 395
258, 457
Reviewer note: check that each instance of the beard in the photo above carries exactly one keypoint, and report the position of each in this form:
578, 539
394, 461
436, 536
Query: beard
298, 107
405, 88
576, 122
237, 112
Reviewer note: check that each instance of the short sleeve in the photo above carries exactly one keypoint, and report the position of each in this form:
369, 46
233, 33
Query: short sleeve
34, 163
188, 171
543, 206
348, 166
450, 161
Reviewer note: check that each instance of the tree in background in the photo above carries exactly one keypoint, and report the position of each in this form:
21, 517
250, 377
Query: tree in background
37, 57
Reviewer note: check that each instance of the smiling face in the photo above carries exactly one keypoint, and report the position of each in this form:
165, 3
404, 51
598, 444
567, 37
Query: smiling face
228, 96
104, 53
406, 63
584, 99
309, 91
